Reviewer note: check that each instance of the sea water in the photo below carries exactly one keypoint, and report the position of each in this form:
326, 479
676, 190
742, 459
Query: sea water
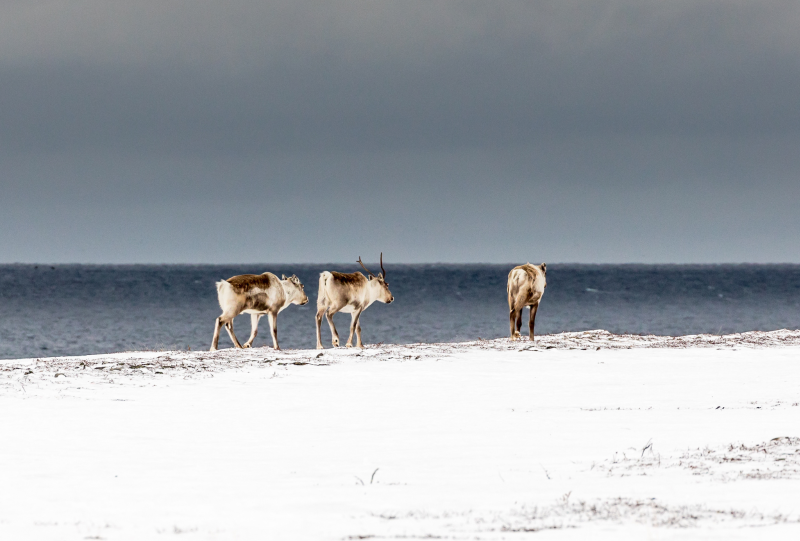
83, 309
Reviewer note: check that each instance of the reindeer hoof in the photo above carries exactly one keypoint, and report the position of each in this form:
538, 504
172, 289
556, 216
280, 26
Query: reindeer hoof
319, 346
245, 346
212, 349
348, 345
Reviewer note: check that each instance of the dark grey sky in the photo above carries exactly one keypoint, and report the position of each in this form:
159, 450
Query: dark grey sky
291, 131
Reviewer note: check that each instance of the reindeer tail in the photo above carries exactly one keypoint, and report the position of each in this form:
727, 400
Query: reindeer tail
322, 296
225, 294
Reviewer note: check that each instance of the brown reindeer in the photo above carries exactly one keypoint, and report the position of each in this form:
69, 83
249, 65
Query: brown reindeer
526, 285
255, 294
353, 293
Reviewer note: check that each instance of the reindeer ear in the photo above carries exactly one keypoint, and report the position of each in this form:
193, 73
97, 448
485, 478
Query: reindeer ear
369, 278
283, 277
543, 267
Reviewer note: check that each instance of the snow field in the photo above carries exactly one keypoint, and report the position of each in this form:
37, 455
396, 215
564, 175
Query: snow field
485, 440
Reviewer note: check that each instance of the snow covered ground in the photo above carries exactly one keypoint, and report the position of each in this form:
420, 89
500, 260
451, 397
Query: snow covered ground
578, 436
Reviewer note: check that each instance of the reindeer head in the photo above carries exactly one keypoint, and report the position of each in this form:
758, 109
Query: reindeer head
295, 292
378, 284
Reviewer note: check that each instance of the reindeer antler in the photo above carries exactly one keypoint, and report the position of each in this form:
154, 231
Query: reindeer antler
365, 268
383, 271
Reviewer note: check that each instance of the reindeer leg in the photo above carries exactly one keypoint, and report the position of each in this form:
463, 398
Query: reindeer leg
215, 339
359, 343
229, 328
513, 317
253, 329
353, 325
534, 308
273, 327
519, 320
320, 311
334, 334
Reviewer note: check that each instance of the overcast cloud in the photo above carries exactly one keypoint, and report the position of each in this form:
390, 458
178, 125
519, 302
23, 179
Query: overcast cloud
620, 131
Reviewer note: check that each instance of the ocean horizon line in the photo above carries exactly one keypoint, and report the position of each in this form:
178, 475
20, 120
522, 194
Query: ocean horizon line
406, 264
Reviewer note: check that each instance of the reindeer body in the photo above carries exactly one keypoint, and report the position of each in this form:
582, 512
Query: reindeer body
349, 293
526, 285
255, 294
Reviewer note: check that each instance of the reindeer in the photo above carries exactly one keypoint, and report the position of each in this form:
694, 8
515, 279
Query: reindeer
353, 293
526, 285
255, 294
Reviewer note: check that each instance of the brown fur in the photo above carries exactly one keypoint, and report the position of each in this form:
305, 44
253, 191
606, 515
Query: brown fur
245, 282
354, 278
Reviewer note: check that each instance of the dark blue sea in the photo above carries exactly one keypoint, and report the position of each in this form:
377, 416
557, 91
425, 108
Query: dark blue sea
83, 309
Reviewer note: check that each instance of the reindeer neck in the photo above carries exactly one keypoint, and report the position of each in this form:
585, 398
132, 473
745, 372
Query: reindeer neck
287, 295
373, 291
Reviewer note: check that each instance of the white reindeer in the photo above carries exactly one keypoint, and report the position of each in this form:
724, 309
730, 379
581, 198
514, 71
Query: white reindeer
255, 294
526, 285
353, 293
